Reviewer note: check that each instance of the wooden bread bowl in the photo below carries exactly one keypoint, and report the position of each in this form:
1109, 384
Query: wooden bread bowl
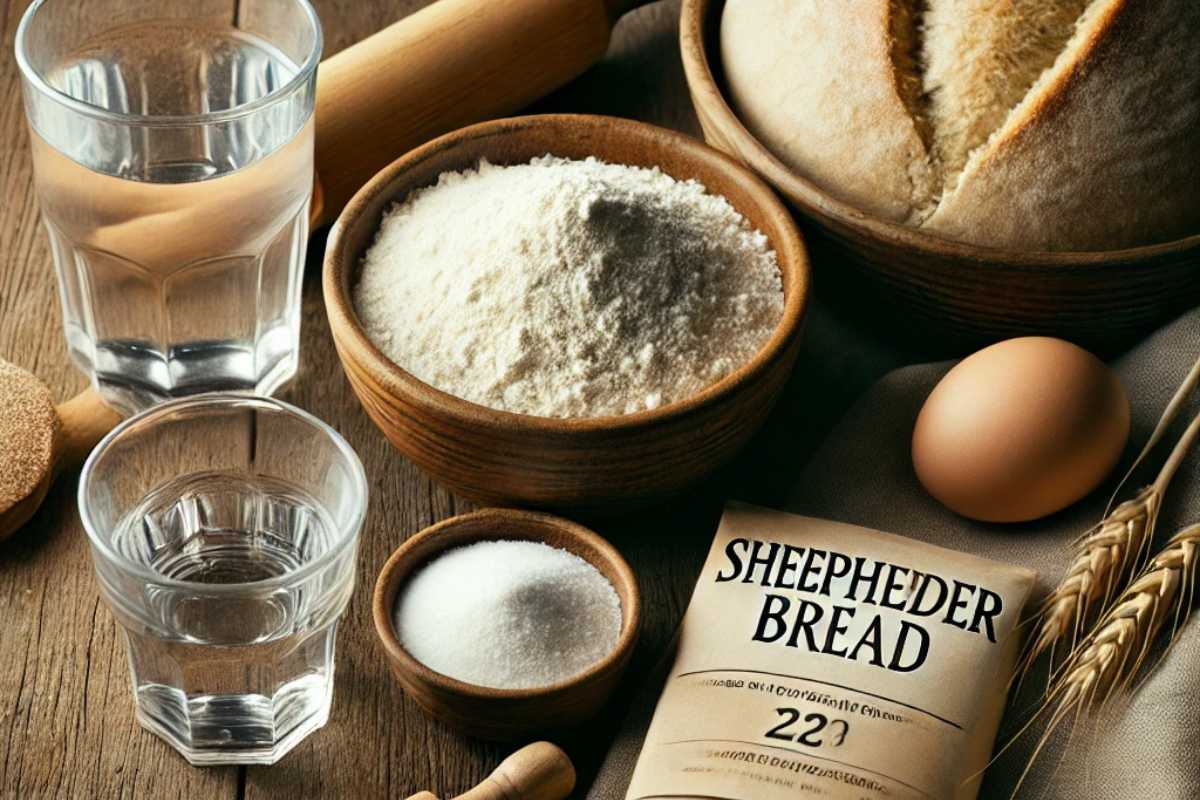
954, 295
594, 464
506, 714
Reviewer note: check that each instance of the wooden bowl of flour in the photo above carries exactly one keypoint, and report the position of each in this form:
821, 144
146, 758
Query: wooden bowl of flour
957, 296
596, 464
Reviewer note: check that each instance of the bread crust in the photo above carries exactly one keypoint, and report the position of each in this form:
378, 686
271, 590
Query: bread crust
1103, 152
847, 127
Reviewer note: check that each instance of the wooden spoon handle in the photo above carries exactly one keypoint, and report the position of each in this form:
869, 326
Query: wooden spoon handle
450, 64
85, 419
539, 771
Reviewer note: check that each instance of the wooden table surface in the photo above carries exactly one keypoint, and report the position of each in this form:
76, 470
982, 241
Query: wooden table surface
66, 713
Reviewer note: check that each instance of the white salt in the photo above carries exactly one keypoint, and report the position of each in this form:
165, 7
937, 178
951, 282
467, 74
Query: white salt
508, 614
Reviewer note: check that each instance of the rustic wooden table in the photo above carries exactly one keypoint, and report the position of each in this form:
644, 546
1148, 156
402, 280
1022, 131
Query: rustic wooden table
66, 714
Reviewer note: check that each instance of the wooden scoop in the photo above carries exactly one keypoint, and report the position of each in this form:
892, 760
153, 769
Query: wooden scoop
39, 441
539, 771
451, 64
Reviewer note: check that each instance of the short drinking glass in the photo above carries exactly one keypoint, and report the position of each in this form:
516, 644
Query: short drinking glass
173, 163
224, 530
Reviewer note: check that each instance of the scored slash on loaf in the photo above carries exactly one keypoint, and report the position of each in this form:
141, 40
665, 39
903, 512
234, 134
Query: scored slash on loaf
1026, 125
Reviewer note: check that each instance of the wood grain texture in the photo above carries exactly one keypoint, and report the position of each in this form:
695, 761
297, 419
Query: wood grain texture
66, 714
66, 720
960, 294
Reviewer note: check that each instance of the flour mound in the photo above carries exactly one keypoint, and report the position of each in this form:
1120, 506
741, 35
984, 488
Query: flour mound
566, 288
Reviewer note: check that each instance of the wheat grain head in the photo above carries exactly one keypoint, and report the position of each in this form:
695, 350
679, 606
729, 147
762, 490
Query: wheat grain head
1112, 654
1103, 555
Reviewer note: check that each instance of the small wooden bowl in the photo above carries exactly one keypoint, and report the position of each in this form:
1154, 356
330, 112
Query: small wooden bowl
957, 295
598, 464
507, 714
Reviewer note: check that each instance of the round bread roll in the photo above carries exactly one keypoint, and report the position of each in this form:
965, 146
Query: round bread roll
1022, 124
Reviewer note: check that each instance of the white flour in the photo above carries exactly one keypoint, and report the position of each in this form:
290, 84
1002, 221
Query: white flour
568, 288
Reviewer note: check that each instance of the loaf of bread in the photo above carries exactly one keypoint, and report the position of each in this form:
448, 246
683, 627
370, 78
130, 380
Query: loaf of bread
1020, 124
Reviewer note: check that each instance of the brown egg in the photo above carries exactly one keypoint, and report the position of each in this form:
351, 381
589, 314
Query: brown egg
1020, 430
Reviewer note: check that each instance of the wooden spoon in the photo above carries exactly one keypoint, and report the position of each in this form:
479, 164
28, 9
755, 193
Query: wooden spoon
39, 441
539, 771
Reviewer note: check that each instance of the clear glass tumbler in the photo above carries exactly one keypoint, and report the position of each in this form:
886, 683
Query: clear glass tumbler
173, 162
224, 530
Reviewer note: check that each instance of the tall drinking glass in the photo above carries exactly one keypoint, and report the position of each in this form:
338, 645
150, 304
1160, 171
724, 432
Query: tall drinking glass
173, 162
224, 530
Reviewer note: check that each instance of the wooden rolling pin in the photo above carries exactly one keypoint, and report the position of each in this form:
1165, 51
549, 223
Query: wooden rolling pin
452, 63
448, 65
539, 771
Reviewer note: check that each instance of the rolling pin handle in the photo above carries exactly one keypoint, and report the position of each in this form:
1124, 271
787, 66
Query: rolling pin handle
450, 64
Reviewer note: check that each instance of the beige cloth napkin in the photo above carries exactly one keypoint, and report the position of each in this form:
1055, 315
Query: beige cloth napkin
1146, 747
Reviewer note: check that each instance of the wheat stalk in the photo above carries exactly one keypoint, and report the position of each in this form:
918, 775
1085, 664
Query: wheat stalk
1190, 382
1116, 546
1102, 662
1103, 554
1113, 653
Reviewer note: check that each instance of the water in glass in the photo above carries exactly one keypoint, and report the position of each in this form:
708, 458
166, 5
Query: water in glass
240, 674
179, 249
